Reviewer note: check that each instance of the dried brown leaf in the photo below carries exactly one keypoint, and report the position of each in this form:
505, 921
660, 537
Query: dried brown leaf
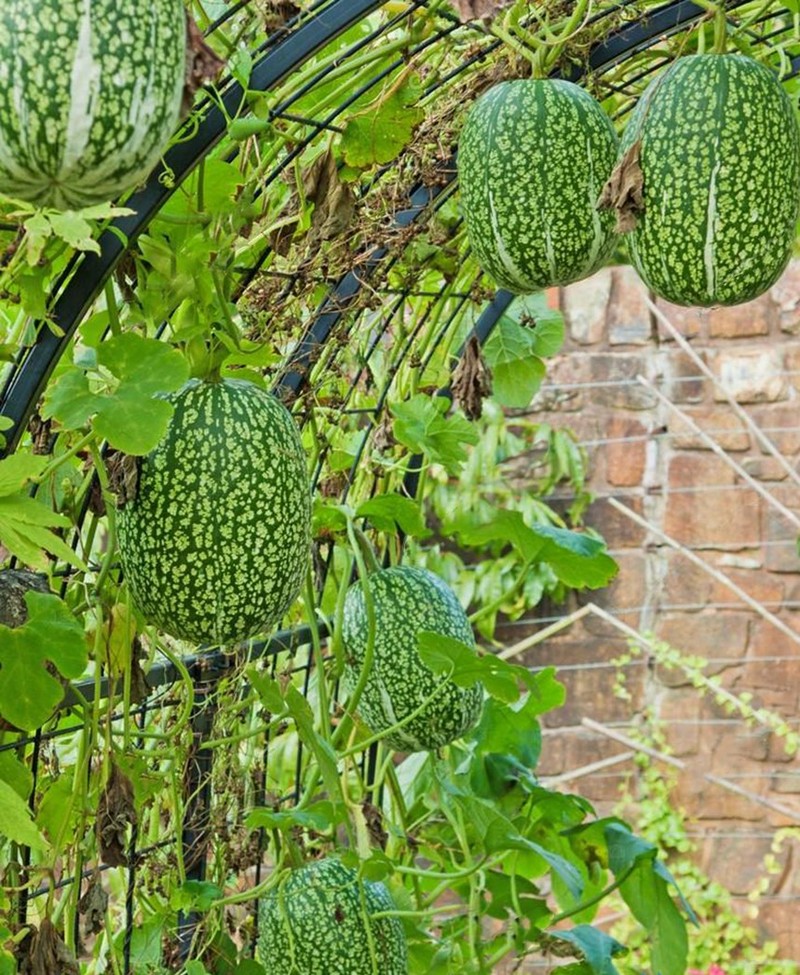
374, 820
92, 906
45, 953
624, 190
203, 64
479, 9
472, 380
41, 432
115, 814
276, 13
123, 475
14, 583
334, 202
383, 438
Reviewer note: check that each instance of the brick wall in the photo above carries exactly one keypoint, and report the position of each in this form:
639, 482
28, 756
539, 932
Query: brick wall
627, 387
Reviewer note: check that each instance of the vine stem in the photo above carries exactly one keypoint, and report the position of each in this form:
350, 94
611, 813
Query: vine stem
54, 464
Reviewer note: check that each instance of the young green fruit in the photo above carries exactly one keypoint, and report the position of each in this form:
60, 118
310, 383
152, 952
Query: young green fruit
407, 601
90, 93
215, 544
532, 159
318, 922
719, 153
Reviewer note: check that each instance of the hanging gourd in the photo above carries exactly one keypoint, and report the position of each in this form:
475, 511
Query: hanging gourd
709, 181
533, 156
90, 93
215, 542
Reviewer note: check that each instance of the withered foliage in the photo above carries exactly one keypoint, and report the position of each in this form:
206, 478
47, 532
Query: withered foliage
472, 380
116, 814
624, 191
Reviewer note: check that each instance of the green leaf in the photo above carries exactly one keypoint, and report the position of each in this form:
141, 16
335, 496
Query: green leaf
576, 558
504, 527
15, 819
15, 774
318, 817
74, 230
597, 947
390, 512
445, 654
133, 414
28, 693
421, 426
517, 371
579, 560
508, 892
194, 895
545, 325
17, 469
379, 132
324, 754
269, 690
24, 530
498, 834
648, 898
624, 848
70, 400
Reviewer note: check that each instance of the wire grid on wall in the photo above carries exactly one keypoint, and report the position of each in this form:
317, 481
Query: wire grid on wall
360, 314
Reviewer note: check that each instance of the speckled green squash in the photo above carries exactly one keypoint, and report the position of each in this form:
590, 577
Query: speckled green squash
316, 924
406, 601
532, 160
216, 544
90, 92
720, 156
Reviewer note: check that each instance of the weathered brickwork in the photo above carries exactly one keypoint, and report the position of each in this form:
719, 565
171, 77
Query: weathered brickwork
653, 420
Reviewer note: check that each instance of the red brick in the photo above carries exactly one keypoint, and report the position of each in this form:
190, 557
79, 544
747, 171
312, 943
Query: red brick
617, 529
742, 321
689, 322
735, 865
763, 586
629, 321
684, 583
615, 383
709, 518
713, 635
699, 470
780, 422
684, 380
625, 453
717, 422
785, 295
585, 305
777, 921
751, 375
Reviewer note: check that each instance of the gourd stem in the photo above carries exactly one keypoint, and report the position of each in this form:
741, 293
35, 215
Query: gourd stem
366, 549
517, 46
720, 31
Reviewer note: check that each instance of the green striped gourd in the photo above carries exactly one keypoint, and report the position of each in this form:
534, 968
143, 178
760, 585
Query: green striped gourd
315, 923
90, 93
406, 601
720, 160
532, 159
215, 544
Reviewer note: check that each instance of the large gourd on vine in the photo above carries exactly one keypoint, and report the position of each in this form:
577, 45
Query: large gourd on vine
215, 543
90, 93
717, 144
532, 159
402, 698
319, 921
